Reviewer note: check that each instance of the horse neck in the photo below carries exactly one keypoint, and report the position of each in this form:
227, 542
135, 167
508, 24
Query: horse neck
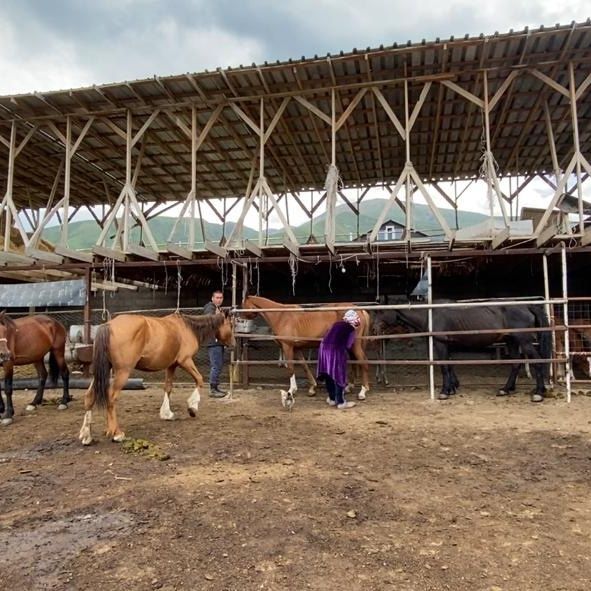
416, 318
271, 318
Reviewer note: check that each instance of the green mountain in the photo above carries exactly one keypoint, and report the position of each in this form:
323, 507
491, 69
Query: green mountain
346, 225
84, 234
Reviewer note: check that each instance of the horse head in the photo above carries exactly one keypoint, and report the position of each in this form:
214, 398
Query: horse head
249, 304
7, 331
225, 332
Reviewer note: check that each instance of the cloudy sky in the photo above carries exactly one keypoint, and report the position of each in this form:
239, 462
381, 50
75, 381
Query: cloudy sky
56, 44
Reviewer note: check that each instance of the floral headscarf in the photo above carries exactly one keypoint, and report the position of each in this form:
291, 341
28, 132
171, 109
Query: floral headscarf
352, 318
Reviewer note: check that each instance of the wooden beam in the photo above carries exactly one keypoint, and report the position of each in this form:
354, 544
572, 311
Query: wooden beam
546, 235
109, 253
500, 237
180, 251
291, 246
85, 257
215, 248
313, 109
252, 248
13, 257
142, 252
43, 255
462, 92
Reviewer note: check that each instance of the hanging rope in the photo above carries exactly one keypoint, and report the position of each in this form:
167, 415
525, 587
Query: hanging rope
330, 273
165, 279
179, 281
293, 267
108, 275
333, 181
223, 271
258, 278
488, 165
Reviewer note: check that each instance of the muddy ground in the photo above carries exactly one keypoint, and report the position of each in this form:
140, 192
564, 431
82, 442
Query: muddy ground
476, 493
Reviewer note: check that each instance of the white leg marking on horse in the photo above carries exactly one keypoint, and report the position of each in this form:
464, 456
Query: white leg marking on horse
362, 392
85, 433
31, 407
293, 385
348, 388
589, 368
119, 438
165, 413
194, 400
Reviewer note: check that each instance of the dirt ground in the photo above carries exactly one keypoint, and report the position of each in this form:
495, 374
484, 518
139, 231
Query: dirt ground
475, 493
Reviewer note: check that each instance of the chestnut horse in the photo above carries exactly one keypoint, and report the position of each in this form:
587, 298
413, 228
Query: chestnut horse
579, 335
301, 330
27, 340
150, 344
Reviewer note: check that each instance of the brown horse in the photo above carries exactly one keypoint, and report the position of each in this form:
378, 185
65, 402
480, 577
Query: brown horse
27, 340
579, 336
151, 344
301, 330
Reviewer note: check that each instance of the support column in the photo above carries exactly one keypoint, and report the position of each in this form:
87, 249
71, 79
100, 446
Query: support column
128, 199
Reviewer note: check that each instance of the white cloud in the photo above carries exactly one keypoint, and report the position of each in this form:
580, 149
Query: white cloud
57, 67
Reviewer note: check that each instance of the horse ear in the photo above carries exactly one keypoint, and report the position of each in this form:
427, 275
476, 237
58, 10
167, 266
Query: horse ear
2, 316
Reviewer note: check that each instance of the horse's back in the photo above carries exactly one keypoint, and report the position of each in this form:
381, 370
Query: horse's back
146, 342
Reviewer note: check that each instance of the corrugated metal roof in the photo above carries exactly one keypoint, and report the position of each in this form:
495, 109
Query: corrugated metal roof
446, 141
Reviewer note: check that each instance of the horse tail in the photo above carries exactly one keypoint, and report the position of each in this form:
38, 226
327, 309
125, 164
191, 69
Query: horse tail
544, 337
54, 368
102, 365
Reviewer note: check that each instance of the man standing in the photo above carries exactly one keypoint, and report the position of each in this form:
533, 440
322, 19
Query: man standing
215, 349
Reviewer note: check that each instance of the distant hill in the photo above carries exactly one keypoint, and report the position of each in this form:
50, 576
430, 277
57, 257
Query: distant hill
84, 234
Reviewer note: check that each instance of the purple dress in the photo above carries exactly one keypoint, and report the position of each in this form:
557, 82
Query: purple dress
333, 352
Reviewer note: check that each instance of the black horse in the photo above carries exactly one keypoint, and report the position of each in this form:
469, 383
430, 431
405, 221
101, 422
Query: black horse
497, 318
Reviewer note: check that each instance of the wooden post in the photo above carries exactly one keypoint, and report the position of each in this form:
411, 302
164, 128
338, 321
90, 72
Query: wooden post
575, 123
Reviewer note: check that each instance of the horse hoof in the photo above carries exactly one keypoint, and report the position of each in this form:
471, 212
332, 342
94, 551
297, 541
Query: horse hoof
312, 392
537, 398
62, 407
361, 396
31, 407
119, 437
192, 412
85, 438
6, 422
168, 417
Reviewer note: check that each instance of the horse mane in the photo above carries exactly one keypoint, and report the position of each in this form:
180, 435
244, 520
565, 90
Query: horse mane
268, 303
203, 326
7, 321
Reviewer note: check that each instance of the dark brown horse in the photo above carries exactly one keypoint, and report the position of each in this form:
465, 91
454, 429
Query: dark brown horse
27, 340
304, 330
132, 341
